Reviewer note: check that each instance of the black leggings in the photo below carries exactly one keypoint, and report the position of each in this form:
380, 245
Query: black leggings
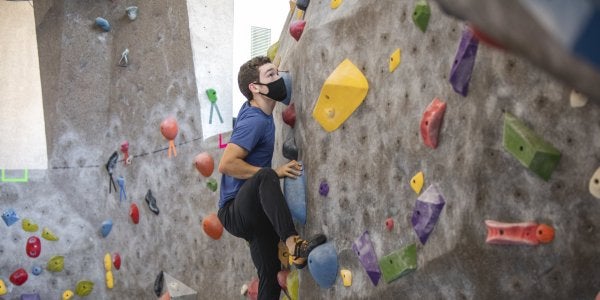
260, 215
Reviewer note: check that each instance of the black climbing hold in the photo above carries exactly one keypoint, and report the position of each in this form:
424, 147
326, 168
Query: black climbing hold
158, 283
151, 202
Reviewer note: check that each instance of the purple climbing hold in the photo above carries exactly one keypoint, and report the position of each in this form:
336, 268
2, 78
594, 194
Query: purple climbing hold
427, 211
367, 256
324, 188
460, 74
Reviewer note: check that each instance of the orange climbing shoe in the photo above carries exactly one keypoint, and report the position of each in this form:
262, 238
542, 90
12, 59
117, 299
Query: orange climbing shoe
304, 247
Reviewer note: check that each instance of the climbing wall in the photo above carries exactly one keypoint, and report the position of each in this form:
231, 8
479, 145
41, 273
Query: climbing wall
370, 159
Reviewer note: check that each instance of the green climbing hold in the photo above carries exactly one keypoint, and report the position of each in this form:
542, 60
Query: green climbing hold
421, 15
56, 263
272, 51
399, 263
212, 184
529, 148
84, 288
212, 95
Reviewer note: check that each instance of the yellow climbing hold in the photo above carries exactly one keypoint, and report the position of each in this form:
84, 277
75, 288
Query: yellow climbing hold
346, 277
336, 3
3, 289
300, 15
292, 284
416, 183
84, 288
109, 280
49, 235
68, 294
56, 263
107, 262
272, 51
395, 60
343, 91
28, 225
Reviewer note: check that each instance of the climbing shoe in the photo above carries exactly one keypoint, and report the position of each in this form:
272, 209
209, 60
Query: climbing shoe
304, 247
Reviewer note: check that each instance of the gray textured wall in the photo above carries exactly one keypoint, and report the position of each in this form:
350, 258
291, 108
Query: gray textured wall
91, 106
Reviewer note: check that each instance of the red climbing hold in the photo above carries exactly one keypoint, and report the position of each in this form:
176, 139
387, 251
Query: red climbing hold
33, 247
389, 224
117, 260
18, 277
544, 233
212, 226
289, 115
169, 130
525, 233
205, 164
431, 122
134, 212
296, 28
253, 289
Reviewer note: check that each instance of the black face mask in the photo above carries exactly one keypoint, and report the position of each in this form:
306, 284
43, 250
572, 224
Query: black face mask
277, 90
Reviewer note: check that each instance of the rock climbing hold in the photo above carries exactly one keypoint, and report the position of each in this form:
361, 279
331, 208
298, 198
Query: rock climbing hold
158, 284
212, 184
296, 28
289, 115
346, 277
395, 60
389, 224
117, 260
212, 98
30, 296
577, 99
56, 263
289, 149
33, 247
122, 191
107, 262
169, 129
343, 91
524, 233
106, 227
253, 289
212, 226
134, 213
416, 183
323, 264
300, 15
132, 12
528, 148
3, 289
367, 256
18, 277
67, 295
110, 281
165, 296
324, 188
595, 184
282, 280
272, 51
244, 289
177, 289
427, 211
36, 270
462, 68
49, 235
111, 164
295, 196
399, 263
335, 3
10, 217
432, 122
28, 225
84, 288
125, 150
103, 23
287, 80
151, 202
124, 60
421, 15
293, 284
205, 164
302, 4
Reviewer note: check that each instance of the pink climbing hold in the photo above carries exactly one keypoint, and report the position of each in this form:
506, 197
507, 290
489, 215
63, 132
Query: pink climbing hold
389, 224
296, 28
125, 150
431, 122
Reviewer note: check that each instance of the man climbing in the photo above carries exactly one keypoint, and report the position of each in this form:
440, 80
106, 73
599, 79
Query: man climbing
251, 204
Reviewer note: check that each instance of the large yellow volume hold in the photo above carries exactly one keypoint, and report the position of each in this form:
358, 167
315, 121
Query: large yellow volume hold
343, 91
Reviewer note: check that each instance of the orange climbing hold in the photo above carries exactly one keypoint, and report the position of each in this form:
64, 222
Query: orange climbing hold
169, 130
544, 233
205, 164
212, 226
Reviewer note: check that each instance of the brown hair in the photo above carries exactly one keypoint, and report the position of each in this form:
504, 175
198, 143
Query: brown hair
249, 73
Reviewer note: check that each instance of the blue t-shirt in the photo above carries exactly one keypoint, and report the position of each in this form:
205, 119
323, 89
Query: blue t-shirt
255, 132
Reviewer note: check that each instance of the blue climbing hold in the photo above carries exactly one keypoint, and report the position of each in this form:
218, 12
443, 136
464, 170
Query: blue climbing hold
106, 227
295, 195
36, 270
323, 265
103, 23
10, 217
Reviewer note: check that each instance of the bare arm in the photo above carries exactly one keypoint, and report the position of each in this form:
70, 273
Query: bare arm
233, 164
